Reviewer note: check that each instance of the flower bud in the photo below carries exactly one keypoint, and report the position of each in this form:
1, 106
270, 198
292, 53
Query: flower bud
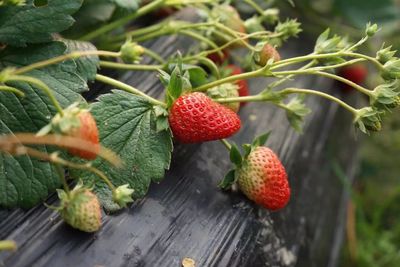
371, 29
122, 195
131, 52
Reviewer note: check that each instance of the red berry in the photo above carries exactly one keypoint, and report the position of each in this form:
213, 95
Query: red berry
87, 131
355, 73
243, 85
218, 59
263, 179
196, 118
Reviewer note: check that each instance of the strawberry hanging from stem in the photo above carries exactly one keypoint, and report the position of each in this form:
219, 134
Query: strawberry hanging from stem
259, 174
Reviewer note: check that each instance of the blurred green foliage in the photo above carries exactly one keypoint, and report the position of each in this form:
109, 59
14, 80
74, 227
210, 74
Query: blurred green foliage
376, 196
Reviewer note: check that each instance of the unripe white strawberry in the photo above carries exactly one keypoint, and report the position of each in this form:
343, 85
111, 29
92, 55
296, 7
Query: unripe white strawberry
81, 209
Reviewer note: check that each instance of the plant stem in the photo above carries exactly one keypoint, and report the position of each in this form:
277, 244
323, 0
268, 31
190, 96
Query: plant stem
373, 60
226, 144
242, 99
311, 56
8, 245
265, 98
234, 34
328, 75
54, 158
129, 89
87, 167
9, 142
153, 55
233, 78
255, 6
198, 37
10, 89
277, 83
321, 94
61, 58
123, 66
61, 175
211, 65
220, 48
122, 21
41, 85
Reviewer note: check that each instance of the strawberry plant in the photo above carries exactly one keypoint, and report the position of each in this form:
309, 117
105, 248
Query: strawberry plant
51, 51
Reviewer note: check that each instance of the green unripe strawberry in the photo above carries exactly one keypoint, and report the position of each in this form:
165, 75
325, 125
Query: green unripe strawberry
229, 17
226, 90
80, 208
263, 179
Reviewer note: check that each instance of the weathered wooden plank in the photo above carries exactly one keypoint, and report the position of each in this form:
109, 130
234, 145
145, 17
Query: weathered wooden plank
188, 216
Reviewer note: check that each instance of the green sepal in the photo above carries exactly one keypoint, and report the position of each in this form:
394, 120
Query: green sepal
235, 155
175, 86
246, 149
162, 123
228, 180
260, 140
296, 111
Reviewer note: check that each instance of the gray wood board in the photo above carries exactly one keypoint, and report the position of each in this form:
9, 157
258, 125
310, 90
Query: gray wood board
186, 215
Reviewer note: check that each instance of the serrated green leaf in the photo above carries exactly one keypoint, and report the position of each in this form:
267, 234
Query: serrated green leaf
87, 65
20, 25
127, 125
228, 180
89, 17
24, 181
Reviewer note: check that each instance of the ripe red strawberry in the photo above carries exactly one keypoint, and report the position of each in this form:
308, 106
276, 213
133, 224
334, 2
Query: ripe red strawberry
217, 59
196, 118
80, 208
243, 85
266, 53
356, 73
263, 179
87, 130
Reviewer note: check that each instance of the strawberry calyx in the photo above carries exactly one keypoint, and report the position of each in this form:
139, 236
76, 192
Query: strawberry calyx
122, 195
64, 124
238, 159
131, 52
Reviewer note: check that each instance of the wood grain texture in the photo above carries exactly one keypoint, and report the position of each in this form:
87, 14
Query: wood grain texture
188, 216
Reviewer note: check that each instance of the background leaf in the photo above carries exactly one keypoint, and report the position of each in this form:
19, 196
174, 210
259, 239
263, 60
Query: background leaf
359, 12
86, 66
24, 181
127, 125
20, 25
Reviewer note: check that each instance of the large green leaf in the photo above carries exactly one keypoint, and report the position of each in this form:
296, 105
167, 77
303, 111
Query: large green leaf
86, 66
95, 13
24, 181
127, 125
20, 25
